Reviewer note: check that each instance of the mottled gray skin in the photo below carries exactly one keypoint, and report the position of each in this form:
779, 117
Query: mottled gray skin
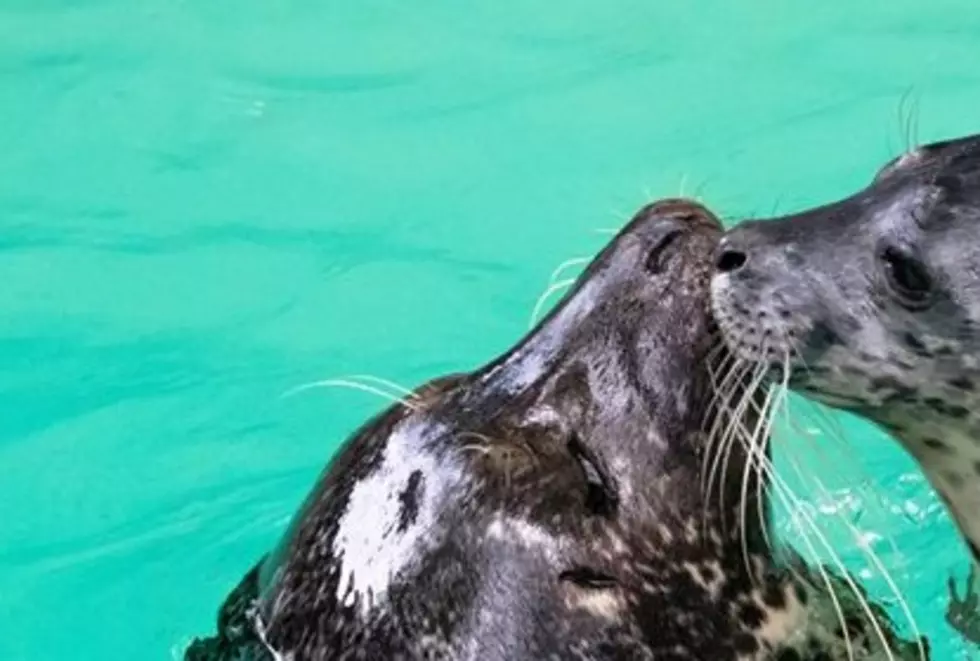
547, 505
873, 302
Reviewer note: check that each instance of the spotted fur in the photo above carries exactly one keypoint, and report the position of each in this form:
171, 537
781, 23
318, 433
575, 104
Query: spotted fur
873, 305
547, 506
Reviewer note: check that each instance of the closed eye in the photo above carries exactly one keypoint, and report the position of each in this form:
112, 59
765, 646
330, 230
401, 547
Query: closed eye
660, 256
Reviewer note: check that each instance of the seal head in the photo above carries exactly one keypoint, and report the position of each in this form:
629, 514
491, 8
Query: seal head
871, 304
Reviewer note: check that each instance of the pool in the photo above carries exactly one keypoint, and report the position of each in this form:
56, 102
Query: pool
206, 204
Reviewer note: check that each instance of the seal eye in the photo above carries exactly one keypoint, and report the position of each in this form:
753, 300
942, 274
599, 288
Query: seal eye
601, 498
661, 253
907, 277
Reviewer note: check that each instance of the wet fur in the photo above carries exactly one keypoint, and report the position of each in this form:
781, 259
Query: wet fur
812, 292
547, 506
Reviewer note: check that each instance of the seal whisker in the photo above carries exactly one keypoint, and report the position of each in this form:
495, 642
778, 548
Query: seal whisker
567, 264
766, 418
866, 549
354, 385
717, 409
836, 560
719, 438
506, 452
782, 486
874, 558
728, 439
791, 502
699, 190
908, 123
794, 506
859, 539
716, 442
552, 288
407, 392
727, 388
852, 463
862, 546
832, 427
720, 387
753, 460
680, 188
734, 370
763, 464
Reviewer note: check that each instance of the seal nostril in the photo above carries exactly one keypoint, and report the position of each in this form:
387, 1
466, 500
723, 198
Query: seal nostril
731, 260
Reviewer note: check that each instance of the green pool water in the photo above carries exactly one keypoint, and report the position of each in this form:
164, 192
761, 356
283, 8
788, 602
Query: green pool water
205, 204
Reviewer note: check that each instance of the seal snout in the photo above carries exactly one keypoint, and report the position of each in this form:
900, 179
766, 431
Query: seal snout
735, 249
730, 258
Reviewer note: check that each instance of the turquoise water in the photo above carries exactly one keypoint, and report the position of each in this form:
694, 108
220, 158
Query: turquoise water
205, 204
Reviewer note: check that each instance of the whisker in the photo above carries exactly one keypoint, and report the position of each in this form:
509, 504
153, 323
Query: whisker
731, 387
408, 392
557, 286
786, 495
831, 425
727, 387
858, 537
755, 384
757, 457
753, 451
699, 190
737, 371
797, 510
873, 557
721, 409
860, 485
567, 264
790, 502
354, 385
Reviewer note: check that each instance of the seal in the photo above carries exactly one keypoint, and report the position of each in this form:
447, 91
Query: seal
547, 505
871, 304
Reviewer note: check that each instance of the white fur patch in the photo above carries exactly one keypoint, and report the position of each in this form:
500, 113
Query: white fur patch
368, 544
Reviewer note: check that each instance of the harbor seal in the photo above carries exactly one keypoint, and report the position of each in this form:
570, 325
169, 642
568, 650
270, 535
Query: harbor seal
872, 305
548, 505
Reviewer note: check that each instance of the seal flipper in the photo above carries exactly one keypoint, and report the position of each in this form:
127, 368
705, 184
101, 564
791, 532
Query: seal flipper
964, 614
235, 639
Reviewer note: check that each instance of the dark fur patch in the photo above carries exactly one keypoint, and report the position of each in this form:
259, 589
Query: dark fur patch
745, 644
915, 345
408, 500
751, 615
962, 383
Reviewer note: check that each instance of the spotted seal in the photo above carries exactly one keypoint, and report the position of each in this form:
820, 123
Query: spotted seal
872, 304
547, 505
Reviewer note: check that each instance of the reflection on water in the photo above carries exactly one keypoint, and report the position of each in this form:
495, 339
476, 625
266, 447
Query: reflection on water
206, 204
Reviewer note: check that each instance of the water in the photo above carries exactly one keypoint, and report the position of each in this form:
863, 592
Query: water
204, 204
